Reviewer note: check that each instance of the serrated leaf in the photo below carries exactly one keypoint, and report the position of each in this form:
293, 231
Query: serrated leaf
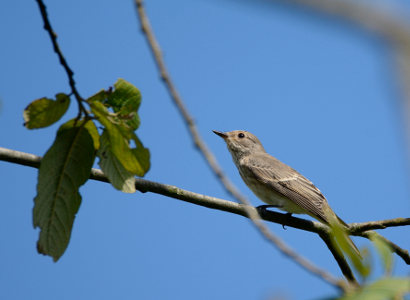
386, 288
384, 251
119, 177
65, 167
43, 112
119, 135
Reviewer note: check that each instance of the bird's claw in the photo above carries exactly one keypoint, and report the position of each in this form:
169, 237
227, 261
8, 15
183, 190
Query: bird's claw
288, 215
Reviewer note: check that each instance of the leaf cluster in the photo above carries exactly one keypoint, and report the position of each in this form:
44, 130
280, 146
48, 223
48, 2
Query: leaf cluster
67, 164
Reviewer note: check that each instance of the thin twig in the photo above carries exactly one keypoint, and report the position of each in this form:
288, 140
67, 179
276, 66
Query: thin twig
404, 254
143, 185
209, 157
382, 224
340, 259
63, 61
359, 229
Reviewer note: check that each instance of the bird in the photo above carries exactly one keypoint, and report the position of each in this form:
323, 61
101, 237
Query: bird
276, 183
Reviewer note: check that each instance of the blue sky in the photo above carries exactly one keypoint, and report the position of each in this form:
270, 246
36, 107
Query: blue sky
321, 96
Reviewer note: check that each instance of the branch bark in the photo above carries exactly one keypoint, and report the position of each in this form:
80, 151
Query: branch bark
171, 191
382, 224
255, 218
143, 185
244, 209
210, 159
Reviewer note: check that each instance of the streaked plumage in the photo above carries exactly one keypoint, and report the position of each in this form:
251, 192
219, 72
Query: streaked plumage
286, 183
273, 181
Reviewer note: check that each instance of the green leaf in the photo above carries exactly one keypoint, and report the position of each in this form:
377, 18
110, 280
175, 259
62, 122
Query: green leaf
95, 135
142, 154
119, 134
89, 126
43, 112
125, 100
65, 167
346, 245
120, 178
383, 289
101, 96
384, 251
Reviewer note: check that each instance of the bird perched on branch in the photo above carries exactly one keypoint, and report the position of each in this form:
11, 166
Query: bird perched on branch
274, 182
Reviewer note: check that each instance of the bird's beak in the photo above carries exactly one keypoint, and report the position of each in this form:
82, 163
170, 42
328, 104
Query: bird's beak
221, 134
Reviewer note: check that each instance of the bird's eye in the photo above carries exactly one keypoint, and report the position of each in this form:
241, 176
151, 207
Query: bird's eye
241, 135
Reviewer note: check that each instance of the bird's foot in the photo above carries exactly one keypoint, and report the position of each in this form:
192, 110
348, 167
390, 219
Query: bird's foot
262, 209
288, 215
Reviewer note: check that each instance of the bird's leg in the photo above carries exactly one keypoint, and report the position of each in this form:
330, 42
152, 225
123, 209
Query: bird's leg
262, 209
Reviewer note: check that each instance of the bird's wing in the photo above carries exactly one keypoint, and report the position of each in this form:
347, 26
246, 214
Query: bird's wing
289, 183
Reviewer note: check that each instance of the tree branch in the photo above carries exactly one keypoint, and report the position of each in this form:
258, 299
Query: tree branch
143, 185
63, 61
340, 259
171, 191
404, 254
396, 30
209, 157
244, 209
383, 224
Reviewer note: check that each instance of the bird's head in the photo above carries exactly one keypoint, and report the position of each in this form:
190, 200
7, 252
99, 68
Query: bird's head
241, 143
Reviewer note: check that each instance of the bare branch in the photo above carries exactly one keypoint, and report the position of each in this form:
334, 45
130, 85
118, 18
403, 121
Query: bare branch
63, 61
143, 185
404, 254
340, 259
254, 216
382, 224
209, 157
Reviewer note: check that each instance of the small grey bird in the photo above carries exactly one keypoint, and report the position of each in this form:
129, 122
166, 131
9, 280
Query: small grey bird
274, 182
